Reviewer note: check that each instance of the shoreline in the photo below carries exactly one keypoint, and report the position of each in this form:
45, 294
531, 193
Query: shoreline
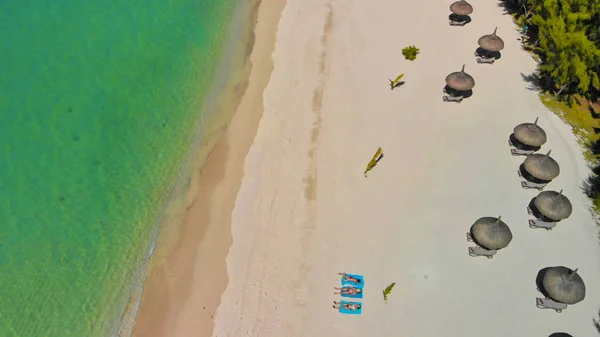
215, 114
184, 257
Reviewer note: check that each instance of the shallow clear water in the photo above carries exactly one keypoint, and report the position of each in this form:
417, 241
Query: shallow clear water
98, 100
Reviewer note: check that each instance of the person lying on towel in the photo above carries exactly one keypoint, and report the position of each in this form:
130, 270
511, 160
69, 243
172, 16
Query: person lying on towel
349, 278
348, 291
348, 306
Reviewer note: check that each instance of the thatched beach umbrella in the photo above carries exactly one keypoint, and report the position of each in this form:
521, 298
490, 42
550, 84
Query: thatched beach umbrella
491, 233
530, 134
541, 166
564, 285
553, 205
460, 80
461, 8
491, 42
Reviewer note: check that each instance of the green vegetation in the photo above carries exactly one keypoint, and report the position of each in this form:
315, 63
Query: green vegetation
388, 291
564, 36
579, 117
410, 52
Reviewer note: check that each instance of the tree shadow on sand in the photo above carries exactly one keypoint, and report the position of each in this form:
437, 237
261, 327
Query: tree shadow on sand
512, 7
591, 184
533, 81
527, 47
597, 322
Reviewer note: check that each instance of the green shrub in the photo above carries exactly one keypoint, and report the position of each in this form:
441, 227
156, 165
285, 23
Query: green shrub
410, 52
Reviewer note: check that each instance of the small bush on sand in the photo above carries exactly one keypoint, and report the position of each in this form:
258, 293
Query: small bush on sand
410, 52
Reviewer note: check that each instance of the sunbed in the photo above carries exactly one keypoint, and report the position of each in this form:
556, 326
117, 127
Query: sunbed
529, 184
546, 303
519, 152
469, 237
478, 251
489, 60
456, 99
457, 23
542, 224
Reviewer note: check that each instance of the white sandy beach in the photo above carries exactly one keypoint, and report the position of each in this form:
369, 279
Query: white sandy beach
305, 212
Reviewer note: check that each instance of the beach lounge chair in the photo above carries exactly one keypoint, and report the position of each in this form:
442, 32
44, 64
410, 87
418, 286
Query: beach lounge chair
489, 60
520, 174
469, 237
457, 23
529, 210
529, 184
542, 224
478, 251
519, 152
456, 99
546, 303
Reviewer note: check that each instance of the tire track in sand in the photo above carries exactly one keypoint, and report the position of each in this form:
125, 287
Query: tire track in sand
310, 178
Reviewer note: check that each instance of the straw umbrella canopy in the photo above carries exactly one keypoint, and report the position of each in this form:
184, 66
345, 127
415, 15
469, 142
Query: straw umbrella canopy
530, 134
542, 166
491, 42
461, 8
553, 205
491, 233
460, 80
564, 285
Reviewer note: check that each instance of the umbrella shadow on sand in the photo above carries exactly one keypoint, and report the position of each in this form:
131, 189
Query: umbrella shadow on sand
453, 92
539, 282
459, 18
519, 145
492, 54
597, 322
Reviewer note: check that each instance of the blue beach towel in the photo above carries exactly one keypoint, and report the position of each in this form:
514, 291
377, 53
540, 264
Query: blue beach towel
348, 312
359, 295
358, 285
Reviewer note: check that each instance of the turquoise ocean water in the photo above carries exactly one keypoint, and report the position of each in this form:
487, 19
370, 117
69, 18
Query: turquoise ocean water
98, 102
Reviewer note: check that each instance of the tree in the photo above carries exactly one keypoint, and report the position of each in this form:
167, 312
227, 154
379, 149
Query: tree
569, 58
